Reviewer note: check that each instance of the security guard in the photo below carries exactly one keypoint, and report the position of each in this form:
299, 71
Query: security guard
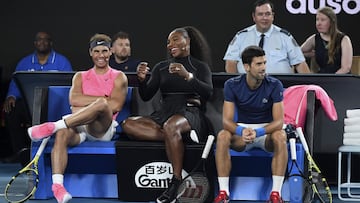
283, 54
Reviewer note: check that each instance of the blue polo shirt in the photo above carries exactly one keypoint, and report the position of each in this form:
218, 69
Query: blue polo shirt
55, 62
253, 106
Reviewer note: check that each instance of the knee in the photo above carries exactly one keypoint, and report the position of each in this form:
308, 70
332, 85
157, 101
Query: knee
127, 124
170, 130
62, 137
223, 138
279, 138
101, 104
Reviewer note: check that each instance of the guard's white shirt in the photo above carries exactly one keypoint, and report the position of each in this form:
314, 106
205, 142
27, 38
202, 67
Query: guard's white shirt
281, 49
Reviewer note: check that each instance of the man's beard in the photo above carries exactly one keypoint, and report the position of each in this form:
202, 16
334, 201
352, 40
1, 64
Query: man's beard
123, 58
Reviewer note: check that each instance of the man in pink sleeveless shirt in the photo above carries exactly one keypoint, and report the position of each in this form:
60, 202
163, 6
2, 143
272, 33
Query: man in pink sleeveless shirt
96, 96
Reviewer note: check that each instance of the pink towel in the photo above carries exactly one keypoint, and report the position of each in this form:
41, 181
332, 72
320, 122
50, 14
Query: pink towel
295, 103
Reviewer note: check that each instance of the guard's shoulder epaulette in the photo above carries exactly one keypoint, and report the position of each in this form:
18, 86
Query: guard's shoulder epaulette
285, 32
241, 31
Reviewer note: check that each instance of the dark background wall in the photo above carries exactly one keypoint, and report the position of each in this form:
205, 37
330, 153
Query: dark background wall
149, 22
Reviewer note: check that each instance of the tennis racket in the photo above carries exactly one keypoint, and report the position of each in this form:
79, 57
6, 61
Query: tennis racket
294, 170
195, 187
316, 179
23, 185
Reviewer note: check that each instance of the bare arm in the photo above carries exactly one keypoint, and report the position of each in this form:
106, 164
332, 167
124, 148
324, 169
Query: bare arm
78, 100
278, 118
228, 116
76, 96
347, 55
247, 134
308, 47
231, 66
118, 95
9, 104
302, 67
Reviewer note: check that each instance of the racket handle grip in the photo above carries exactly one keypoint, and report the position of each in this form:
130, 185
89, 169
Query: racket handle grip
302, 139
208, 146
292, 142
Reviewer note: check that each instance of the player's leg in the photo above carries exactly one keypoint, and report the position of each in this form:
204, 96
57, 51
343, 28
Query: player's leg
142, 128
59, 158
99, 109
173, 129
276, 142
224, 141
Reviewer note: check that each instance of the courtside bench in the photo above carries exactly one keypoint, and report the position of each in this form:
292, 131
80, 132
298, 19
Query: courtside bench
107, 169
91, 170
96, 169
250, 177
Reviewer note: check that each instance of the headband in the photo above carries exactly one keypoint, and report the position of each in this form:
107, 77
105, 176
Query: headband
99, 43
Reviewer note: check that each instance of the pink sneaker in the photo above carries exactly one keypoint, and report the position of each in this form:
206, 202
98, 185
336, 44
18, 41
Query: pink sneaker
222, 197
275, 198
60, 193
39, 132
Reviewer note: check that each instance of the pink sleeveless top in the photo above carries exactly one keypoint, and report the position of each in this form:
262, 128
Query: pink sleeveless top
98, 85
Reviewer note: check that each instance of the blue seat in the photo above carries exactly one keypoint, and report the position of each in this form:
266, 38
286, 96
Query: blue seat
91, 170
250, 177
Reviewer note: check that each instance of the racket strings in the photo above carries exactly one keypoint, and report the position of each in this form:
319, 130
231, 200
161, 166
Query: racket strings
194, 189
321, 187
300, 172
308, 195
22, 186
316, 185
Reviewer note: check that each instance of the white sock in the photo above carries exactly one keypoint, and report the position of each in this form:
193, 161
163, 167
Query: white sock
224, 184
82, 136
277, 183
60, 124
58, 179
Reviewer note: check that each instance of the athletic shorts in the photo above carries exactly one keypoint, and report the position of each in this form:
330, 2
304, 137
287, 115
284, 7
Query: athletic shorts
259, 142
85, 135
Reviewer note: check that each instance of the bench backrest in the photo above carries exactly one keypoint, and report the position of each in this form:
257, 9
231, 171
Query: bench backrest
58, 104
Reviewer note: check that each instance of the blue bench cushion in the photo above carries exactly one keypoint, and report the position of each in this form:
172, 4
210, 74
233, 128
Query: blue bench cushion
82, 177
58, 104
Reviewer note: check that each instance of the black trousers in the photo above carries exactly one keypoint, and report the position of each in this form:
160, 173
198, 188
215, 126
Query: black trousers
17, 121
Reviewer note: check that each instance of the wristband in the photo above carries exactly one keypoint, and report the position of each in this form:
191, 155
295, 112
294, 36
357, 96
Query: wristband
239, 130
260, 131
190, 77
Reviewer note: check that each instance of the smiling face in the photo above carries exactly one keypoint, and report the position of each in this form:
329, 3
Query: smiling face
178, 45
100, 56
263, 16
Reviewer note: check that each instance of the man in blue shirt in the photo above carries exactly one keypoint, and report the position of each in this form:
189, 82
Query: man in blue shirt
257, 100
43, 59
